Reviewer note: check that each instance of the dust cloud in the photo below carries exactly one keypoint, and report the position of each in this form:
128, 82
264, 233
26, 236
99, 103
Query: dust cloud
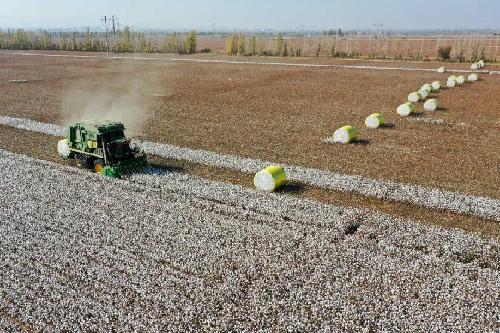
124, 96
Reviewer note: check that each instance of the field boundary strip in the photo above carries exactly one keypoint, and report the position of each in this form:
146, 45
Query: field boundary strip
258, 63
484, 207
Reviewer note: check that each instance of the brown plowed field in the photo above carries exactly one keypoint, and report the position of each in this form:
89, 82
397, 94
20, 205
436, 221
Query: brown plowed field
275, 113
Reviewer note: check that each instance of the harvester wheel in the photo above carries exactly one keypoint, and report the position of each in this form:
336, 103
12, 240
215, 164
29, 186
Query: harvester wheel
99, 166
85, 162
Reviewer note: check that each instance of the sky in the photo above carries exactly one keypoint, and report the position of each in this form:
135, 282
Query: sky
255, 14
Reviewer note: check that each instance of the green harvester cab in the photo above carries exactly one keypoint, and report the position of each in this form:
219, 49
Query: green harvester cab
102, 146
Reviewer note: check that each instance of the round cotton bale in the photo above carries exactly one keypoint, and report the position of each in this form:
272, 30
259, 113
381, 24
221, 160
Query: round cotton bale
374, 120
424, 93
431, 105
414, 97
472, 78
436, 85
441, 70
451, 83
474, 66
63, 149
481, 63
427, 86
345, 135
460, 80
406, 109
453, 77
270, 179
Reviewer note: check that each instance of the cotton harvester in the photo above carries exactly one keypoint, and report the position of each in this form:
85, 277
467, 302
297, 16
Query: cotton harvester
102, 146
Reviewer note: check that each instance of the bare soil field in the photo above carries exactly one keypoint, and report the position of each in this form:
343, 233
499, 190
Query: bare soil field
275, 113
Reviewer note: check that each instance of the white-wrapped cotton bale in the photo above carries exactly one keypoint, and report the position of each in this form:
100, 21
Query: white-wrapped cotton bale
345, 135
451, 83
460, 80
424, 93
453, 77
414, 97
441, 70
431, 105
270, 179
481, 63
472, 78
406, 109
436, 85
374, 120
475, 66
427, 86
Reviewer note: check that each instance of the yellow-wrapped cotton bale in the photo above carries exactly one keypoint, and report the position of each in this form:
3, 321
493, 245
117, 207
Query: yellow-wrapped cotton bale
460, 80
427, 86
374, 120
451, 83
431, 105
406, 109
270, 179
424, 93
436, 85
472, 78
345, 135
414, 97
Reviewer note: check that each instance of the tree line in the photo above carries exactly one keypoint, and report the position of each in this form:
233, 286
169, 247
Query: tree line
124, 40
281, 46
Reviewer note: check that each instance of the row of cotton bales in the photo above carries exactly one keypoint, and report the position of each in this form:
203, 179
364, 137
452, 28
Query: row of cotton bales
274, 176
408, 108
430, 105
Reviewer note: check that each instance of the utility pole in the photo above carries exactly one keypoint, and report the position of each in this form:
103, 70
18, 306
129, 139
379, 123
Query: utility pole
105, 20
114, 23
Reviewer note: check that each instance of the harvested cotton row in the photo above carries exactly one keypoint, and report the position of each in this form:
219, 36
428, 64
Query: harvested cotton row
270, 179
424, 93
472, 77
460, 79
374, 120
431, 105
451, 83
406, 109
436, 85
441, 70
414, 97
427, 86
